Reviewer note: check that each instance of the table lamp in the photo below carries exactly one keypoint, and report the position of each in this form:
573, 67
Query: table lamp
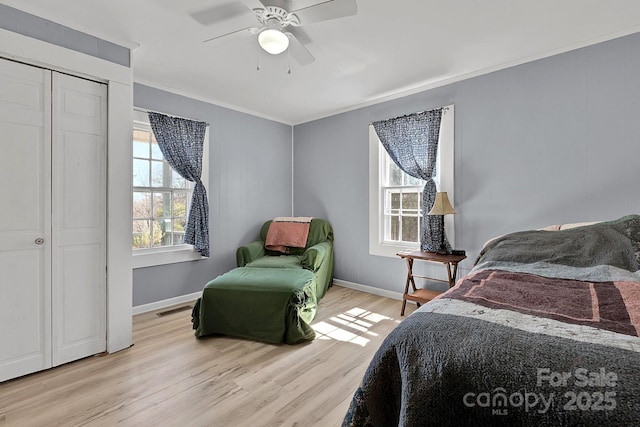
442, 206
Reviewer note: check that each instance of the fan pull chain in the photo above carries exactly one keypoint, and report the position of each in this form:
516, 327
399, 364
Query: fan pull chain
258, 67
257, 58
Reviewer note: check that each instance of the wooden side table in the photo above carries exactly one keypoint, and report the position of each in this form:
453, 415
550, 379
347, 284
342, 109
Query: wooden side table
421, 296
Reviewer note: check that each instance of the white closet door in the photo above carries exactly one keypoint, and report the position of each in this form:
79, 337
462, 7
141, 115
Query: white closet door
25, 205
79, 218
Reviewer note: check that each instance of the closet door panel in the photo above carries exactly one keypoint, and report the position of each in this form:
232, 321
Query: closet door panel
82, 171
24, 314
79, 326
79, 218
25, 238
21, 162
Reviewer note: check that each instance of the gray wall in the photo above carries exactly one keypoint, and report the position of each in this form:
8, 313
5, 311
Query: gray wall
249, 182
552, 141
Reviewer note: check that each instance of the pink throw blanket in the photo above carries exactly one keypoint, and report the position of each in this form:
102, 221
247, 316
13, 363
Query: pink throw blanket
287, 232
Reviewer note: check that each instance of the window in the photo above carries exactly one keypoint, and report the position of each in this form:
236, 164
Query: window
160, 195
401, 211
395, 197
161, 200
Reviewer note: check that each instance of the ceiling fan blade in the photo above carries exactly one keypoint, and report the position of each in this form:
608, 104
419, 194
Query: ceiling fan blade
329, 9
298, 51
248, 30
300, 34
219, 14
253, 4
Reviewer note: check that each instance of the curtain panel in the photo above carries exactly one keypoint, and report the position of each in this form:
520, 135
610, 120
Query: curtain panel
412, 143
182, 142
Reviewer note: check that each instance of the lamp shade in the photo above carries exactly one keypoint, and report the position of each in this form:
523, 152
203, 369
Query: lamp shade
441, 206
273, 41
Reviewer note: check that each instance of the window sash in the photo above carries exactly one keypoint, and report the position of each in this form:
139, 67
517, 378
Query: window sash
171, 221
401, 223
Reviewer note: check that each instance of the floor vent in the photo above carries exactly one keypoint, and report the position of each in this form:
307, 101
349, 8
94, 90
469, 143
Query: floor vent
173, 310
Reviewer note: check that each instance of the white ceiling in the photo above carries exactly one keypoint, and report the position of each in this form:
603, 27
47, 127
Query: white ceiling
388, 49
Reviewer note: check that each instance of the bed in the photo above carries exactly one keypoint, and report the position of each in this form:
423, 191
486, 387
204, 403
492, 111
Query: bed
542, 331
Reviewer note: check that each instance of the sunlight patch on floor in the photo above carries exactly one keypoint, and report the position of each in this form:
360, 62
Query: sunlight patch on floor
352, 326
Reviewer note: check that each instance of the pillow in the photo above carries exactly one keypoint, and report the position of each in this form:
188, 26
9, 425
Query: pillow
283, 236
577, 224
556, 227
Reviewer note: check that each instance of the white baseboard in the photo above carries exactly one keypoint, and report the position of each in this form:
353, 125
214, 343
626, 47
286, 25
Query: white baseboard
144, 308
369, 289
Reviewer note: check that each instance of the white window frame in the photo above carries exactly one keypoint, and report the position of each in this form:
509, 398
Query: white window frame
177, 253
444, 180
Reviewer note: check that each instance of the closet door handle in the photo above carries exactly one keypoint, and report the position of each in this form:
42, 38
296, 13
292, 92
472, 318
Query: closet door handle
39, 241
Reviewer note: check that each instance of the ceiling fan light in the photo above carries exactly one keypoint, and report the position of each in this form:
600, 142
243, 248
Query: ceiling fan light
273, 41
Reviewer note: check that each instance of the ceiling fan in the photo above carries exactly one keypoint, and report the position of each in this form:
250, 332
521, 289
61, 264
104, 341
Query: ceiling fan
278, 19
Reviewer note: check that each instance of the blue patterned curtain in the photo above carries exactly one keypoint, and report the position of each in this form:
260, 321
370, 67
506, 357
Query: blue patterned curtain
181, 142
412, 143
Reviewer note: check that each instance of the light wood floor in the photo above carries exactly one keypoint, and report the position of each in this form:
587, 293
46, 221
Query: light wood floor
170, 378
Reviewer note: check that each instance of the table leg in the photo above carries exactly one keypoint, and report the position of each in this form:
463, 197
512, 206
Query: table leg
406, 285
454, 275
452, 272
448, 265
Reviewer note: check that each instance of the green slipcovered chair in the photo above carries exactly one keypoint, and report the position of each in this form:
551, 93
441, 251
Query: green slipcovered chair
270, 296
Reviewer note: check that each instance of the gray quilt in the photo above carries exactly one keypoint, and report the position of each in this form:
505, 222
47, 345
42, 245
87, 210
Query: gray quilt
542, 332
